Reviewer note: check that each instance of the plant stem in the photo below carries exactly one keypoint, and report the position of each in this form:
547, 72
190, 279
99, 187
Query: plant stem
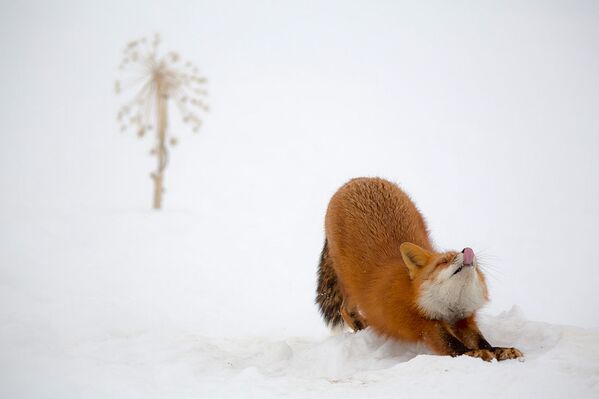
161, 119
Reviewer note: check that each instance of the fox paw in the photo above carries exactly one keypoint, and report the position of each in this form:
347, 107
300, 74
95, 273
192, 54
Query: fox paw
485, 354
507, 353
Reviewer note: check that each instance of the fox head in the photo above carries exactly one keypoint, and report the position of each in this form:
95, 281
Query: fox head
449, 285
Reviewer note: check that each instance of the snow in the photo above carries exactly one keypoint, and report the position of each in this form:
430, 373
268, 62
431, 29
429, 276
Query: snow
486, 114
114, 317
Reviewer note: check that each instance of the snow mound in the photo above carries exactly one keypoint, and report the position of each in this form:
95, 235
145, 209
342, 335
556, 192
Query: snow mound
560, 361
129, 305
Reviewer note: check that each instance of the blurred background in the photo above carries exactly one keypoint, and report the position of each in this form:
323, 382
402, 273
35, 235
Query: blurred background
485, 112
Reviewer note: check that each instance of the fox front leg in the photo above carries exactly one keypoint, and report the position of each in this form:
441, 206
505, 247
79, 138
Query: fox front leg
467, 331
440, 338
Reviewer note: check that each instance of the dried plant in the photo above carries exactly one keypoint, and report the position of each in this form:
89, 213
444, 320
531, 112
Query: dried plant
158, 80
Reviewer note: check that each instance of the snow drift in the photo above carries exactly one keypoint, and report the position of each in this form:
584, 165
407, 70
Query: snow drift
127, 305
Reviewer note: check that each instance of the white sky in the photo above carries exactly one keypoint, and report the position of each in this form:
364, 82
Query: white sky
487, 113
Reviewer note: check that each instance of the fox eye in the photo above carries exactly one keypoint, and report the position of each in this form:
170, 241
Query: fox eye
441, 264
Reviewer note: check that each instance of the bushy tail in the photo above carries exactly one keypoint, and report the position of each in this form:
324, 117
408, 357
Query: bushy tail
328, 294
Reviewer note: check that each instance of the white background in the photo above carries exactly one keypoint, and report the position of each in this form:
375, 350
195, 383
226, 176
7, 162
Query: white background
485, 112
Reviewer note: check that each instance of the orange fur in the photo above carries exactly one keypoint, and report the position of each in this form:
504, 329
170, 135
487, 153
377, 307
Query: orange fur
379, 279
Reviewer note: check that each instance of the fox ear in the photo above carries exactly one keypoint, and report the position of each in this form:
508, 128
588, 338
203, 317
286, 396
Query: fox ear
414, 257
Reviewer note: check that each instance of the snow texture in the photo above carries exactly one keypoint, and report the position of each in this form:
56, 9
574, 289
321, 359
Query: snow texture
112, 318
485, 112
560, 361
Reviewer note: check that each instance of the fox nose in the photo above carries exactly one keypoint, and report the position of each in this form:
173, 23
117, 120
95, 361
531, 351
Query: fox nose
468, 256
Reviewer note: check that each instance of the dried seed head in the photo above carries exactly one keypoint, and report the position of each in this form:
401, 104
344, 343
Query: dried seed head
159, 77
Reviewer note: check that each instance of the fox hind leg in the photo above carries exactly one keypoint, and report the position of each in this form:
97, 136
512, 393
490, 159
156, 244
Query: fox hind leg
335, 308
353, 318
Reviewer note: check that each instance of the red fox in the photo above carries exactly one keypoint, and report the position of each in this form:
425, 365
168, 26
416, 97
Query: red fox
378, 268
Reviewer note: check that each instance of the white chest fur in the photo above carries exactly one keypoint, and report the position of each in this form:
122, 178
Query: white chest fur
452, 297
